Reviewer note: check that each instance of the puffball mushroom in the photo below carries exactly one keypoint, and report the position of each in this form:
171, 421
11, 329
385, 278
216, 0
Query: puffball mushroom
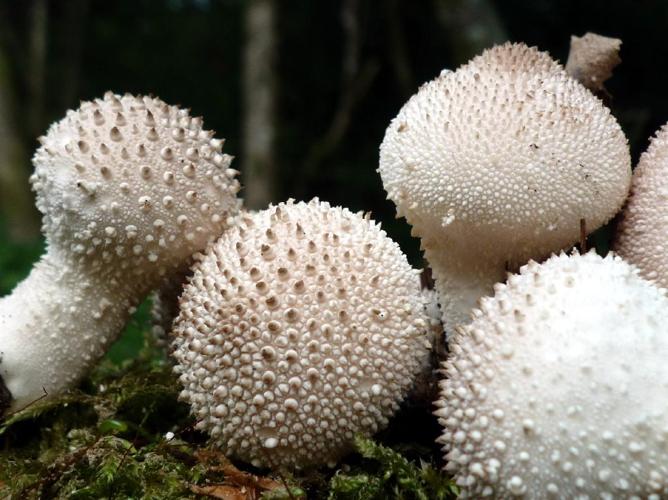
165, 304
558, 387
302, 326
642, 235
498, 162
129, 187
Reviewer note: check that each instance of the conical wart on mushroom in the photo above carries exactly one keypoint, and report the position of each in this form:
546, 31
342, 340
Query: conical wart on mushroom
301, 327
499, 162
165, 302
558, 387
129, 188
642, 235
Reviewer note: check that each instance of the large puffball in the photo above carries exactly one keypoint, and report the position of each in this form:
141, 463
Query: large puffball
135, 181
559, 387
642, 235
301, 327
129, 188
499, 162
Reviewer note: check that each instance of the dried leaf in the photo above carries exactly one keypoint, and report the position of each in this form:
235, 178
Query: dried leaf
235, 476
216, 461
223, 492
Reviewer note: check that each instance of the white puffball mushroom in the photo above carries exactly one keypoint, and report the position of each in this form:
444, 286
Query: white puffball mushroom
165, 304
642, 234
559, 386
129, 188
498, 162
301, 327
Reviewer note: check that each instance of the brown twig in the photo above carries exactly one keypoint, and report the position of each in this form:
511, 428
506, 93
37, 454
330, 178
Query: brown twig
32, 403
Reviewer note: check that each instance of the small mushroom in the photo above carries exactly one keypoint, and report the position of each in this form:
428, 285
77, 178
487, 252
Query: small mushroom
558, 387
112, 181
499, 162
301, 327
642, 235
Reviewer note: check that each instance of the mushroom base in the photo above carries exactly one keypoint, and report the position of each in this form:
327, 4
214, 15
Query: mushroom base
5, 397
461, 280
59, 322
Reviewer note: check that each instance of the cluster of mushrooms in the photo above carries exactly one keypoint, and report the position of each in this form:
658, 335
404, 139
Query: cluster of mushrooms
302, 325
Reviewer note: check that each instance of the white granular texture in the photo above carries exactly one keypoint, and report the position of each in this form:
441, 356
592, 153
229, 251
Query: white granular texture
301, 327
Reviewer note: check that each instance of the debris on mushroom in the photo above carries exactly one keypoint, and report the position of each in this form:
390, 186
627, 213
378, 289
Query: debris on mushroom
592, 58
499, 162
558, 387
642, 235
129, 188
425, 387
301, 327
165, 304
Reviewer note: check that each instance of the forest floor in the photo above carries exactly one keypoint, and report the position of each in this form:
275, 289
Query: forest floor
124, 434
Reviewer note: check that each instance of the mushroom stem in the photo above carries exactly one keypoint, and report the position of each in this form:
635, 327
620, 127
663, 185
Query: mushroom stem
58, 321
165, 304
461, 278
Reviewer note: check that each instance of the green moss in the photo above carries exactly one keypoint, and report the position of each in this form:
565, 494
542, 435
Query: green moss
387, 474
104, 440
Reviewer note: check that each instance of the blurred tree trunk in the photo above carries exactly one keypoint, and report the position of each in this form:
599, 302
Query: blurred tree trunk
357, 77
259, 96
36, 66
16, 201
471, 26
75, 14
398, 54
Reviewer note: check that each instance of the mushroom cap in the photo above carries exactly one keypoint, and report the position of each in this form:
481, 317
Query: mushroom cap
643, 231
301, 327
559, 386
133, 180
505, 155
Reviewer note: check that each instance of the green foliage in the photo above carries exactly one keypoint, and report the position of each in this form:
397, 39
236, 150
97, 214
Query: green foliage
105, 440
124, 434
129, 345
283, 494
16, 259
390, 475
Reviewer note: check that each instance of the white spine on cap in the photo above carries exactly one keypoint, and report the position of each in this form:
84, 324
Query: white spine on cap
558, 387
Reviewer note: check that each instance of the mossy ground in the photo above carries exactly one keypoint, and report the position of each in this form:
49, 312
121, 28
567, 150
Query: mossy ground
123, 434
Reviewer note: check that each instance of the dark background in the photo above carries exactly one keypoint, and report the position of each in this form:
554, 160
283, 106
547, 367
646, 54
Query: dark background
341, 70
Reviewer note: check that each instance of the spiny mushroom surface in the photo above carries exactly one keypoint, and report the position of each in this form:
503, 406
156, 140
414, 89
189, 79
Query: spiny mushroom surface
642, 235
498, 162
558, 387
129, 187
301, 327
